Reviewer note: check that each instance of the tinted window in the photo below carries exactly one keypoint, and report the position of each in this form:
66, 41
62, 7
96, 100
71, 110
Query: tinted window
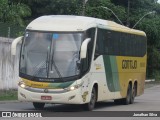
120, 44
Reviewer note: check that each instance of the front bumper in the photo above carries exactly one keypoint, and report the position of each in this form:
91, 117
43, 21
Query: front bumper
69, 97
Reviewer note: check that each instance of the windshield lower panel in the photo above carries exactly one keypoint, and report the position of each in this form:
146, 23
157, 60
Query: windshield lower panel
50, 80
50, 55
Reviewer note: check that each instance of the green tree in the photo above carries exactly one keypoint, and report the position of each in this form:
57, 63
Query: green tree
53, 7
94, 9
13, 12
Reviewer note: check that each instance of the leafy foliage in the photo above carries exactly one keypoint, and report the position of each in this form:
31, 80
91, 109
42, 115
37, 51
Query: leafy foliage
13, 12
94, 9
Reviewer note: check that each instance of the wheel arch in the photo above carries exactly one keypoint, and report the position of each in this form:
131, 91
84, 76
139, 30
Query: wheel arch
130, 83
95, 84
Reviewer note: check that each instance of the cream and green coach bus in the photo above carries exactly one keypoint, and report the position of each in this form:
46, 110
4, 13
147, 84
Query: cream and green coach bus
80, 60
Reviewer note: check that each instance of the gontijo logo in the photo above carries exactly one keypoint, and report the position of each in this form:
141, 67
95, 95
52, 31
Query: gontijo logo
129, 64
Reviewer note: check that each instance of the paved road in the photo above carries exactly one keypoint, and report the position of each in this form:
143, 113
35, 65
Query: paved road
149, 101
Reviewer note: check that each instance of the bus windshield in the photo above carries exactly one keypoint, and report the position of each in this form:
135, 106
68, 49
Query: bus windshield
50, 55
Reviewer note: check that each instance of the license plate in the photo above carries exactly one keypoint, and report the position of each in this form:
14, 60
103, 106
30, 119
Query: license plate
46, 98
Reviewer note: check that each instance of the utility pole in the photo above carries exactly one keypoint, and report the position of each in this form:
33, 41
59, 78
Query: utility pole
84, 5
128, 14
83, 8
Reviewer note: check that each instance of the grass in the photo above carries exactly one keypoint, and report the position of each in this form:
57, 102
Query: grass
8, 95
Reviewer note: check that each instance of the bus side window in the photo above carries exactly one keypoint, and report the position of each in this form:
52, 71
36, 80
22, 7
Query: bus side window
99, 48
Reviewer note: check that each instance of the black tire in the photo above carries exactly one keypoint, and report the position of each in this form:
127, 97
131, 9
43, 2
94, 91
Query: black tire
90, 106
38, 106
118, 101
127, 100
133, 94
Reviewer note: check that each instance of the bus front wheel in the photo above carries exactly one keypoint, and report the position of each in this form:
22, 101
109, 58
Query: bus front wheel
90, 106
38, 105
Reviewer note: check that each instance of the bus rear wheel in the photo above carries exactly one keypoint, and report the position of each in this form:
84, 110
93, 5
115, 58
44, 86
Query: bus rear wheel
127, 100
133, 94
90, 106
38, 105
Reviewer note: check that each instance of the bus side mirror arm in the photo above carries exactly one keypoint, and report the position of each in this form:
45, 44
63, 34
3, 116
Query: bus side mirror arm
84, 47
14, 45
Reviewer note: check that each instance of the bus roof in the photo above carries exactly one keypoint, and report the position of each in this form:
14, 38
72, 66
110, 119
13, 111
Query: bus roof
76, 23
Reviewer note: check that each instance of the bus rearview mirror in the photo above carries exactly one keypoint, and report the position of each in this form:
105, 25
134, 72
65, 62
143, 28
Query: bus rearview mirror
84, 48
14, 45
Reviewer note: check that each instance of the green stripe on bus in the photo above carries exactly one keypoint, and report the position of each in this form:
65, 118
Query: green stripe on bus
115, 73
108, 72
111, 71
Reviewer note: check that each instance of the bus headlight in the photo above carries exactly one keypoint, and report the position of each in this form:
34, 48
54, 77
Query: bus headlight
22, 84
74, 87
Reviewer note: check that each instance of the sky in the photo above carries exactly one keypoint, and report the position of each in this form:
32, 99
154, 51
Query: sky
158, 1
